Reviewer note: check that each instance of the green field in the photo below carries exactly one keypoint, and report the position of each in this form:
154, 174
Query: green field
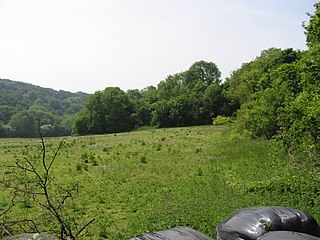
154, 179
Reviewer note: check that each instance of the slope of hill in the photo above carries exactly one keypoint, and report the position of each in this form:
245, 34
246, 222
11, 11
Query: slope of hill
23, 104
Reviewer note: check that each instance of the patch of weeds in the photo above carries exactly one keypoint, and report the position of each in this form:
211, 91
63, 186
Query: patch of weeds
143, 159
95, 162
103, 233
26, 204
92, 156
158, 147
84, 156
88, 157
267, 225
199, 172
79, 167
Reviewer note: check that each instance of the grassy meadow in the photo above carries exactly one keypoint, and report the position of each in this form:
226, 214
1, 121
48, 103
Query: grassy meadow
154, 179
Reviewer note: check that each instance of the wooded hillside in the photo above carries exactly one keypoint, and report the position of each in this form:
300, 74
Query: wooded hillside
23, 105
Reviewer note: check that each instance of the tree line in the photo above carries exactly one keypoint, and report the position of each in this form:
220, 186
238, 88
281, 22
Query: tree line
192, 97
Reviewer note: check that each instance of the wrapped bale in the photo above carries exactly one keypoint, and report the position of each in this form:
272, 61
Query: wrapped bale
31, 236
178, 233
285, 235
252, 223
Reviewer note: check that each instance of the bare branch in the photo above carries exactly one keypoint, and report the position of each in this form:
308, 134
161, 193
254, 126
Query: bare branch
24, 168
10, 207
68, 195
56, 154
86, 225
43, 149
32, 170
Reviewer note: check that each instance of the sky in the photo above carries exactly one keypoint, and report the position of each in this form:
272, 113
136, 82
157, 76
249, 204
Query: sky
88, 45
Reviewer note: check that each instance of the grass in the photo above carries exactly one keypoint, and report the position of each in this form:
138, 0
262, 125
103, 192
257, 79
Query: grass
153, 179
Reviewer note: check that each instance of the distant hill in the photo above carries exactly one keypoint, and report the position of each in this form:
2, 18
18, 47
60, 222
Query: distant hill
22, 104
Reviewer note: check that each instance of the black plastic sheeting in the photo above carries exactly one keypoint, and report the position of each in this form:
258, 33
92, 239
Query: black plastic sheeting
31, 236
258, 223
178, 233
252, 223
284, 235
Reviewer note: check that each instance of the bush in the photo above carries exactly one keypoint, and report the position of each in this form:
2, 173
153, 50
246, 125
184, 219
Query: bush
221, 120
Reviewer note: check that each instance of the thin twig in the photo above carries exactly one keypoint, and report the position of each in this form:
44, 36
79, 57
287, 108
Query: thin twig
55, 154
68, 195
43, 149
86, 225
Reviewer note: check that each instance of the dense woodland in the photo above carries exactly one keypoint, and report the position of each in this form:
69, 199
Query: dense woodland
279, 94
189, 98
23, 107
276, 95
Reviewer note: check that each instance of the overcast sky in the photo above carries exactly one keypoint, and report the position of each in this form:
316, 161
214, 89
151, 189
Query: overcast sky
88, 45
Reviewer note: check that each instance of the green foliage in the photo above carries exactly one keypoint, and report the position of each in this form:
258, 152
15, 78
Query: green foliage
173, 86
312, 28
263, 86
259, 116
23, 124
255, 76
141, 107
205, 72
221, 120
26, 101
191, 97
107, 111
302, 130
279, 94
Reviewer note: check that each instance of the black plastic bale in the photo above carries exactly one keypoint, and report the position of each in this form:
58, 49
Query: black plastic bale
177, 233
252, 223
285, 235
31, 236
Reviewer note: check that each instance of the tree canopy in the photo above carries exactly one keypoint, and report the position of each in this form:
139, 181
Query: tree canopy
107, 111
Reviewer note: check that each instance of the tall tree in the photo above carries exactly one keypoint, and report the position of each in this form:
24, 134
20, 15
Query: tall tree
191, 97
107, 111
206, 72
